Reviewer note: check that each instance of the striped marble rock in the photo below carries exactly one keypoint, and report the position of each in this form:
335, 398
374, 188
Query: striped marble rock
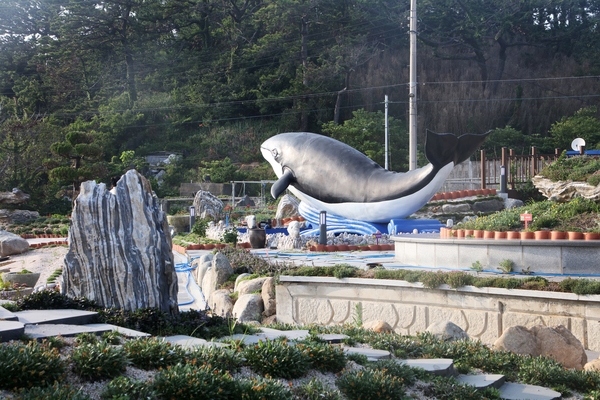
120, 247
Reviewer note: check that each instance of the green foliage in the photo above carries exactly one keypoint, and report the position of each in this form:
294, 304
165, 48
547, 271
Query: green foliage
315, 390
450, 389
225, 358
221, 171
506, 266
93, 361
510, 138
50, 299
86, 338
153, 353
584, 124
125, 388
369, 384
199, 227
231, 236
580, 286
578, 168
27, 365
58, 391
360, 359
323, 356
403, 372
277, 359
262, 389
185, 381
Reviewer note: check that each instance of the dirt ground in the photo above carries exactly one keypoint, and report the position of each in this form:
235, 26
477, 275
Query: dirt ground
44, 260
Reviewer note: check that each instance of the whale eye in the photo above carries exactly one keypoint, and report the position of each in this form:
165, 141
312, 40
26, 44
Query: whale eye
275, 153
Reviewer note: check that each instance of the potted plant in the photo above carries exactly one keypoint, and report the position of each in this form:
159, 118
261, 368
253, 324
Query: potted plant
24, 277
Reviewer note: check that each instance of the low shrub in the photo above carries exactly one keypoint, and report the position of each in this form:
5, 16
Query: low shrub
124, 388
186, 381
28, 365
225, 358
262, 389
52, 300
370, 384
58, 391
443, 388
152, 353
580, 286
403, 372
323, 356
93, 361
277, 359
315, 390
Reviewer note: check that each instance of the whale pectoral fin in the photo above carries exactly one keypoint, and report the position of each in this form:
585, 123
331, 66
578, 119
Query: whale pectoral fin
282, 183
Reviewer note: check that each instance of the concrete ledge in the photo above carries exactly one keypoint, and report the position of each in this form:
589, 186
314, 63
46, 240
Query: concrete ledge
574, 257
484, 313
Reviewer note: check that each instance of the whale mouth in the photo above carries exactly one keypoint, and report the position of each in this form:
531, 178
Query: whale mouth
268, 155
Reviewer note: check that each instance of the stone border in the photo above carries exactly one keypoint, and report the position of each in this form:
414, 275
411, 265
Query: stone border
571, 257
484, 313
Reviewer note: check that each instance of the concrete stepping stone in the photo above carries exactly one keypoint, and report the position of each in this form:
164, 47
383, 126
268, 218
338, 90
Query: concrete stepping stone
190, 342
69, 316
482, 381
435, 366
6, 315
299, 334
372, 354
333, 338
11, 330
245, 339
518, 391
131, 333
66, 330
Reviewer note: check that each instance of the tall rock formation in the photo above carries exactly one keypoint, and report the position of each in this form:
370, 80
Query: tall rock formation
120, 247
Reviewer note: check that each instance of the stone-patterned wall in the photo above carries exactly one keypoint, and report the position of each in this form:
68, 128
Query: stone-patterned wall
410, 308
120, 247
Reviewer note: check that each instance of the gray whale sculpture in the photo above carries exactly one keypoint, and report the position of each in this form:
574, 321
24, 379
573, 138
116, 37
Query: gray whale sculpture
331, 176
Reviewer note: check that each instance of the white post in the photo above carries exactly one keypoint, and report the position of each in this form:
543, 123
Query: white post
386, 133
412, 89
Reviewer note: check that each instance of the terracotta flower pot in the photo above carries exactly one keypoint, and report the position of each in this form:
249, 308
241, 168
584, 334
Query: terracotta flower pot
541, 235
443, 233
460, 233
209, 246
591, 235
375, 247
468, 233
447, 195
477, 233
558, 235
489, 234
321, 247
575, 235
527, 235
513, 235
331, 247
220, 246
387, 247
352, 247
471, 193
342, 247
499, 235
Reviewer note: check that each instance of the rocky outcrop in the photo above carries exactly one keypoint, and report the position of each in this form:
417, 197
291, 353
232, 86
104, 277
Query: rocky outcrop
120, 249
218, 273
563, 191
14, 197
556, 342
207, 206
446, 330
288, 207
200, 266
12, 244
17, 216
245, 201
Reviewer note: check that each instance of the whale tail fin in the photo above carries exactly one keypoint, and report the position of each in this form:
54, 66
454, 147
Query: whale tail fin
443, 148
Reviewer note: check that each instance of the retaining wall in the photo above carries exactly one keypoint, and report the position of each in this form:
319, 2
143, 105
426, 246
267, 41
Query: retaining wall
410, 308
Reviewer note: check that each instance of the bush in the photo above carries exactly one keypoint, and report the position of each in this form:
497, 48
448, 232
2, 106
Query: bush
278, 359
368, 384
226, 359
262, 389
100, 360
52, 300
23, 366
57, 391
580, 286
152, 353
403, 372
323, 356
186, 381
315, 390
124, 388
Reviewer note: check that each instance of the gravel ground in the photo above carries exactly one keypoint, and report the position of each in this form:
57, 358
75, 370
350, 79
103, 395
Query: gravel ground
44, 260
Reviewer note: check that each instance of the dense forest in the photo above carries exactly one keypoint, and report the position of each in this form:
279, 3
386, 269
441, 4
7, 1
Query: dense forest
89, 88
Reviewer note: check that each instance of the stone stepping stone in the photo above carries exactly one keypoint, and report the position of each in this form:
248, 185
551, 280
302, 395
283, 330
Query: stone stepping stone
131, 333
333, 338
299, 334
435, 366
71, 317
372, 354
247, 340
518, 391
6, 315
482, 381
11, 330
49, 330
190, 342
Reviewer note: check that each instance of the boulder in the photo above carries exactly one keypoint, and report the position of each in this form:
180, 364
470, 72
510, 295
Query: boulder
201, 264
248, 307
563, 191
378, 326
487, 206
120, 248
14, 197
218, 273
207, 206
12, 244
561, 345
593, 365
512, 203
288, 207
447, 330
268, 296
294, 230
17, 216
518, 339
250, 286
456, 208
245, 201
241, 277
220, 303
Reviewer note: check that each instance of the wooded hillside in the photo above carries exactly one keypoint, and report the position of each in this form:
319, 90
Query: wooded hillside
97, 85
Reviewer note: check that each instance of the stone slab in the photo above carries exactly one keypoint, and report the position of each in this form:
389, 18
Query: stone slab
518, 391
190, 342
372, 354
333, 338
72, 317
482, 381
66, 330
435, 366
6, 315
11, 330
123, 331
299, 334
245, 339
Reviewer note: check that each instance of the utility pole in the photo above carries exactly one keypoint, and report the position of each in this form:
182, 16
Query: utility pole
412, 89
386, 133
